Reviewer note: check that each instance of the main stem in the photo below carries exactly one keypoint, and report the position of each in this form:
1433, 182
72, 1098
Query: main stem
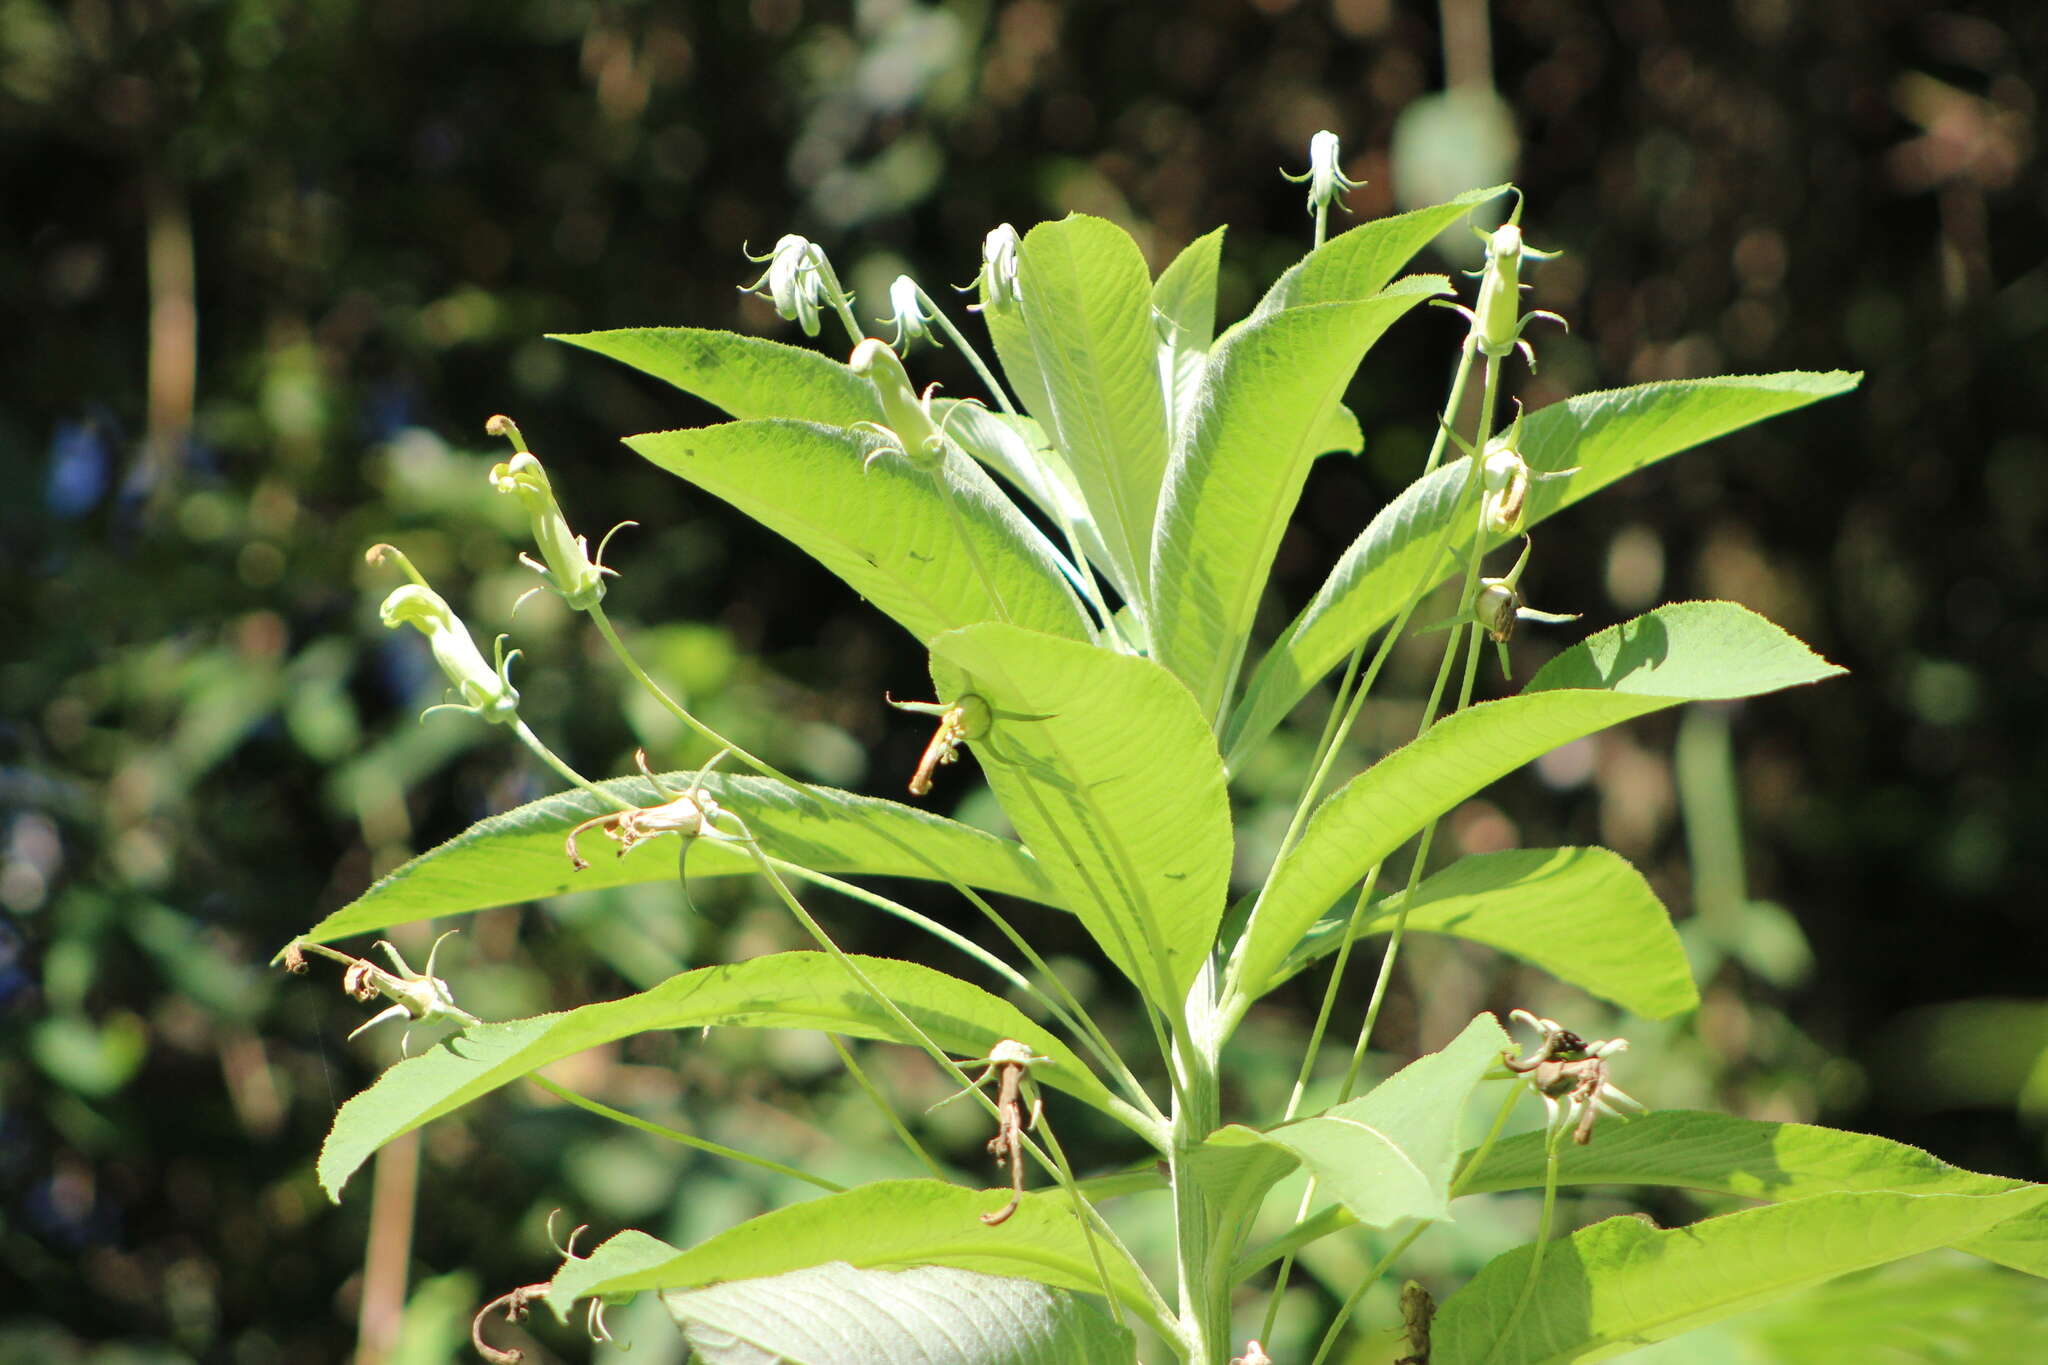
1204, 1253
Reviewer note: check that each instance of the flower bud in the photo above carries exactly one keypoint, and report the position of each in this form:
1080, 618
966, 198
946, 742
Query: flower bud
1505, 491
487, 691
998, 279
1495, 608
569, 569
799, 281
906, 417
906, 309
1325, 176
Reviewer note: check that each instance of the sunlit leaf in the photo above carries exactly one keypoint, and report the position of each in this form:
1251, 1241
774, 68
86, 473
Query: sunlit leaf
882, 527
1689, 651
1582, 914
1605, 435
1111, 777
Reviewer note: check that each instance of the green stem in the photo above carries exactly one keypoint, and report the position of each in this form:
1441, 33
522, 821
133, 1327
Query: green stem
895, 1121
981, 368
563, 1092
1077, 1017
1554, 1149
567, 773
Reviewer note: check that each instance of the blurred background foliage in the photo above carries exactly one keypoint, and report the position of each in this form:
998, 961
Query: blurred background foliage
268, 266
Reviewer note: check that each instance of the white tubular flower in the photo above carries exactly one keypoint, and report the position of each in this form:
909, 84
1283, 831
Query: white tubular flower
907, 311
799, 281
997, 283
1325, 174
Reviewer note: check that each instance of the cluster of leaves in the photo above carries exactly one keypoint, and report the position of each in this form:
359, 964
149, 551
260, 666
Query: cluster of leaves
1092, 645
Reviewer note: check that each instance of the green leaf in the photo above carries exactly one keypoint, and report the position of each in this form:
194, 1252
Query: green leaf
886, 1225
1689, 651
1624, 1283
1751, 1159
1582, 914
1110, 775
884, 528
1606, 435
1390, 1154
1184, 305
1357, 264
1088, 307
1338, 431
1267, 390
519, 856
746, 376
932, 1315
1931, 1310
783, 990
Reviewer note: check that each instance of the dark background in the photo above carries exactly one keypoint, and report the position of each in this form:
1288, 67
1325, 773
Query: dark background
268, 266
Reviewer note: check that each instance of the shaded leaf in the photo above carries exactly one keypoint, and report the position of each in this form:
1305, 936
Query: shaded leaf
1623, 1283
888, 1225
783, 990
933, 1315
519, 856
1752, 1159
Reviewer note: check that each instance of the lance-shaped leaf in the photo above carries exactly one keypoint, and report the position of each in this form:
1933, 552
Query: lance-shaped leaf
1752, 1159
1689, 651
1386, 1156
933, 1315
1184, 308
1268, 389
1357, 264
886, 1225
1605, 435
519, 856
1088, 308
883, 527
782, 990
1624, 1283
1582, 914
1108, 772
746, 376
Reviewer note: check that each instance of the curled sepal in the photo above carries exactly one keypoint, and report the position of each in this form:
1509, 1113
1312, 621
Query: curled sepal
1496, 315
568, 568
1019, 1107
486, 690
997, 284
908, 312
907, 426
1325, 175
688, 813
1497, 607
968, 718
799, 281
418, 997
1570, 1074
